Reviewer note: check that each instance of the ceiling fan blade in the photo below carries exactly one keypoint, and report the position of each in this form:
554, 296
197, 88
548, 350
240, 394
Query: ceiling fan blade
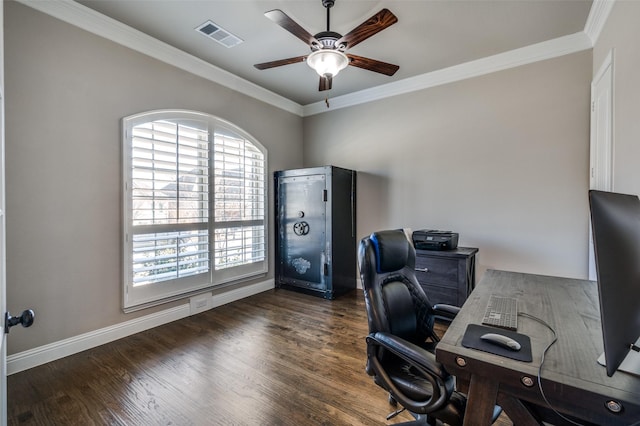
282, 19
325, 82
368, 28
280, 62
372, 64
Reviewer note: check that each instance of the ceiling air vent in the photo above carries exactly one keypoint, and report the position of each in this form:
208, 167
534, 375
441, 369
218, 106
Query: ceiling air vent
215, 32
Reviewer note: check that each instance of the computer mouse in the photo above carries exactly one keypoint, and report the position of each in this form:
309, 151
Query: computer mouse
501, 340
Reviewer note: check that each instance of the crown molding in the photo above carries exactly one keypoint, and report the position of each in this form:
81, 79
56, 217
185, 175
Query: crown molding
89, 20
514, 58
600, 10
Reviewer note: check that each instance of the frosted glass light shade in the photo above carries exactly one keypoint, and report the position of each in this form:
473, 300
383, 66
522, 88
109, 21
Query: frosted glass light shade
327, 61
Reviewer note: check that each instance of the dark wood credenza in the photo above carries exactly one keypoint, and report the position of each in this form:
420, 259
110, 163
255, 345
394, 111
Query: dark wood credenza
447, 276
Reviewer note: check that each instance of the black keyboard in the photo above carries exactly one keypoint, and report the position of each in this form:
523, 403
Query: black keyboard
502, 312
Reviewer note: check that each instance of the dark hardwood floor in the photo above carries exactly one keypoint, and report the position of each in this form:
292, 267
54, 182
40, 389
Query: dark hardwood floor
277, 358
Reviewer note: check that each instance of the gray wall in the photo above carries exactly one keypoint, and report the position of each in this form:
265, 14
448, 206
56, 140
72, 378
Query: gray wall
502, 159
621, 32
66, 91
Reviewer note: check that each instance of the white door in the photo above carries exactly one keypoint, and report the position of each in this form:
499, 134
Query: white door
601, 161
27, 317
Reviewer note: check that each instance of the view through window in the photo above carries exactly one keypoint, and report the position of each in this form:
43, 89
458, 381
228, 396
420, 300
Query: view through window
194, 206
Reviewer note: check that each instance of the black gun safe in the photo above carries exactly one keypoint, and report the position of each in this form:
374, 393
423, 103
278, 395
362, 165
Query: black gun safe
315, 211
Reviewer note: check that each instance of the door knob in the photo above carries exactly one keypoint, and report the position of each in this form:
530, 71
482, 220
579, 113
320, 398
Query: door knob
26, 319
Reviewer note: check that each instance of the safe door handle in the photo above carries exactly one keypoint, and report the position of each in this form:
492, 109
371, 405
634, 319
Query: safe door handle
422, 269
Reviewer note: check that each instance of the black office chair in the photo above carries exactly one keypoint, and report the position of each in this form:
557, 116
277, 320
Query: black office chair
401, 341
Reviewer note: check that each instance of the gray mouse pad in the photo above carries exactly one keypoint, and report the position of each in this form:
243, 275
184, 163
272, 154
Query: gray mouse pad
471, 339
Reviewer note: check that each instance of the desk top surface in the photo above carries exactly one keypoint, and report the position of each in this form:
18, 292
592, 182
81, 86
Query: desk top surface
571, 307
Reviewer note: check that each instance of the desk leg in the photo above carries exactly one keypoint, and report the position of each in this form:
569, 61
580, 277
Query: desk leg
518, 413
481, 401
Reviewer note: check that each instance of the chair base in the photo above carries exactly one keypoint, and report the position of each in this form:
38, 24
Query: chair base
420, 420
424, 419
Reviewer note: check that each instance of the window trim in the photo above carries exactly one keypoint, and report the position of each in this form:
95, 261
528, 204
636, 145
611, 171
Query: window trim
165, 291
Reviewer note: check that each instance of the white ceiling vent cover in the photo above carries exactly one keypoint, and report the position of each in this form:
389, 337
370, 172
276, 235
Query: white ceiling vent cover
215, 32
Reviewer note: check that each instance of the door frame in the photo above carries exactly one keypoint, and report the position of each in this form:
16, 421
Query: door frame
601, 159
3, 263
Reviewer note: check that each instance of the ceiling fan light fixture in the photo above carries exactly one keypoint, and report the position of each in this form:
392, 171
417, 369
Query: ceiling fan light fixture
327, 61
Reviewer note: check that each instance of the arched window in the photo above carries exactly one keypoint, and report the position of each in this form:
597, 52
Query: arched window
194, 204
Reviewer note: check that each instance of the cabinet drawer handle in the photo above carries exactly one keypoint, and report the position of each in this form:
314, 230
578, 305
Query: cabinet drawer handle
422, 269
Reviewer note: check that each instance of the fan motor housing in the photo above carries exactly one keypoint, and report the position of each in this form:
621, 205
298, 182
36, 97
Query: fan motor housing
327, 40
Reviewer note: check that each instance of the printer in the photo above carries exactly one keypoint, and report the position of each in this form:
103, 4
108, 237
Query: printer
430, 239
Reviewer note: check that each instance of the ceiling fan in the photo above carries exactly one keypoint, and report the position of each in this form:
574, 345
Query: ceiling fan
328, 48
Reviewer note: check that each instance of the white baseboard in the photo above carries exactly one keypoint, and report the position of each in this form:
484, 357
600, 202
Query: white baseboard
41, 355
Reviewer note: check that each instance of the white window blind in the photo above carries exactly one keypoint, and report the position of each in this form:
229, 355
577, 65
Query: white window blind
170, 193
239, 184
194, 207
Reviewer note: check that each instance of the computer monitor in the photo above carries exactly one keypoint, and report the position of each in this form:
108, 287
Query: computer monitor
615, 222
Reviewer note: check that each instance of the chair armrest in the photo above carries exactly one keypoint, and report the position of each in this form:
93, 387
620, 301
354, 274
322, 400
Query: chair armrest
410, 352
445, 312
420, 359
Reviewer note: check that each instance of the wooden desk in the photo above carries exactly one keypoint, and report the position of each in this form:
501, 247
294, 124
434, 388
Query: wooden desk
572, 380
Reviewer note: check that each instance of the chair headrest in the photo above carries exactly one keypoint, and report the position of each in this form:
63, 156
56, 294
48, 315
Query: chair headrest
391, 249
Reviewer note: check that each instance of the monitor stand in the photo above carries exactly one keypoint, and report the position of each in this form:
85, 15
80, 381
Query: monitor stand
630, 365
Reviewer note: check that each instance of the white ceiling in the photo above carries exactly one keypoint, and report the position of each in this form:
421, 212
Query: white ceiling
430, 35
